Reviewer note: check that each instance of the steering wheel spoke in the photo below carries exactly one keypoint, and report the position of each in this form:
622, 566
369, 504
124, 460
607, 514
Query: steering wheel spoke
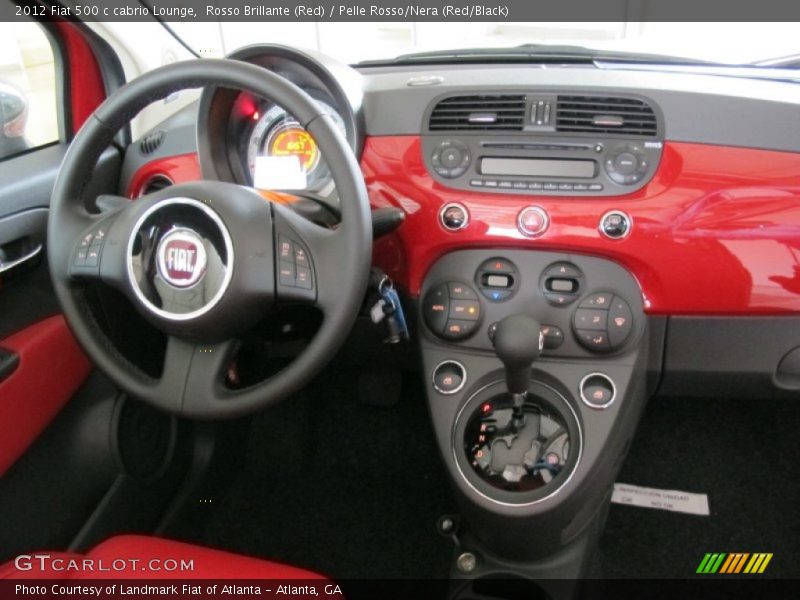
194, 374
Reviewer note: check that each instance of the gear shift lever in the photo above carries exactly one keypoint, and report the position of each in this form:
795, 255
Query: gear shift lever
518, 342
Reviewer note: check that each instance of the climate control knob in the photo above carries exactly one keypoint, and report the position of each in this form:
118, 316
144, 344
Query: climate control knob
452, 310
602, 322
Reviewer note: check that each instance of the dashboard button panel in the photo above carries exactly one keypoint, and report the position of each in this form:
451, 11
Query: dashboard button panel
602, 321
452, 310
597, 316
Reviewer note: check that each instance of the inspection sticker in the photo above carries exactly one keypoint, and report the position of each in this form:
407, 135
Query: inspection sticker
685, 502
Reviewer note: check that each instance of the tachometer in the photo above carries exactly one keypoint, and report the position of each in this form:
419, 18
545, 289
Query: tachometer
278, 135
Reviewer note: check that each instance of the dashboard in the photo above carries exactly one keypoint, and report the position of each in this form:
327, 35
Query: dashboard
689, 181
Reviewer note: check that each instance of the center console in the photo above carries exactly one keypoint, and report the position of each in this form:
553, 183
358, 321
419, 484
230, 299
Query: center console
536, 367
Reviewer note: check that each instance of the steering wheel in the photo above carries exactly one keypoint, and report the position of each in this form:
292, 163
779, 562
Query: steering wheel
203, 262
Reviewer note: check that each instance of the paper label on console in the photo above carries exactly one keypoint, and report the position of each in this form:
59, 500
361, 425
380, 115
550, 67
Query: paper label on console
674, 500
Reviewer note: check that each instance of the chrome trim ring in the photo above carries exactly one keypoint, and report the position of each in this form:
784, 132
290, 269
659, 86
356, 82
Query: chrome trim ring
620, 213
463, 377
598, 406
454, 205
538, 500
524, 230
228, 250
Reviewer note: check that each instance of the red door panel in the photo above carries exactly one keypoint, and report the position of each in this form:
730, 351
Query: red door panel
51, 369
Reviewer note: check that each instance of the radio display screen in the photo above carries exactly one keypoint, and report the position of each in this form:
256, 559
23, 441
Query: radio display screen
538, 167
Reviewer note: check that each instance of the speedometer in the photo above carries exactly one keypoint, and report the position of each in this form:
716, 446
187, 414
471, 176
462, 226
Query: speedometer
276, 134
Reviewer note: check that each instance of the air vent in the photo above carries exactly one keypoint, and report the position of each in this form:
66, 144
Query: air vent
479, 113
151, 142
605, 114
154, 184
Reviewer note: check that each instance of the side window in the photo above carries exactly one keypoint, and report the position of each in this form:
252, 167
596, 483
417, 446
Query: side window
28, 97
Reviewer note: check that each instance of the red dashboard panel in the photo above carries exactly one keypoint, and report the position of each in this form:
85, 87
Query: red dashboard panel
716, 232
178, 169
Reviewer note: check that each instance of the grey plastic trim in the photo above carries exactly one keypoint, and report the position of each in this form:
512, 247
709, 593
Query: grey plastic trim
699, 108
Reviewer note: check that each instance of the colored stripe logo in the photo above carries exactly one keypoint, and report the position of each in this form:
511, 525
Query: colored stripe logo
734, 563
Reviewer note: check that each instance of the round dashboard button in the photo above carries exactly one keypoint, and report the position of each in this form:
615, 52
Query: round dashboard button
626, 163
449, 377
454, 217
533, 221
615, 225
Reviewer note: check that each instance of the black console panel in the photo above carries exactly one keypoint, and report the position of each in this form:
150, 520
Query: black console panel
538, 464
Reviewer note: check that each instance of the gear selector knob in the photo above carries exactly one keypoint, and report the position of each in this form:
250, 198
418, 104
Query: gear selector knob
518, 342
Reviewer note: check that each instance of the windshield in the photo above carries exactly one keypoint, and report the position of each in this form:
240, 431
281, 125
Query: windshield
725, 43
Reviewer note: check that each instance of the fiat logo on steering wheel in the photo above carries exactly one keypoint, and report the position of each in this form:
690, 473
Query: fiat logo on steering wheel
181, 258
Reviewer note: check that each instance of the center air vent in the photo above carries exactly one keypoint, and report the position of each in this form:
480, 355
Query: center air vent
479, 113
154, 184
605, 114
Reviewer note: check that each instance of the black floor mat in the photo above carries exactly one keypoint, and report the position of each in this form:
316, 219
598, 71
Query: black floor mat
354, 490
744, 454
341, 487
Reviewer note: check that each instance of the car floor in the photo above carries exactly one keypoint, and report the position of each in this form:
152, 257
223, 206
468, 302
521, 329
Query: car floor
353, 489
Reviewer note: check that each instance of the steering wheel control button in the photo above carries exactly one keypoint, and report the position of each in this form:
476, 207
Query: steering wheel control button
497, 279
615, 225
533, 221
286, 274
620, 322
598, 391
449, 377
553, 337
294, 268
454, 216
90, 249
285, 248
452, 310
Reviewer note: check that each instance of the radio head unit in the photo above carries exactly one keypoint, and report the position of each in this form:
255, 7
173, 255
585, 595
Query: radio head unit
550, 144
